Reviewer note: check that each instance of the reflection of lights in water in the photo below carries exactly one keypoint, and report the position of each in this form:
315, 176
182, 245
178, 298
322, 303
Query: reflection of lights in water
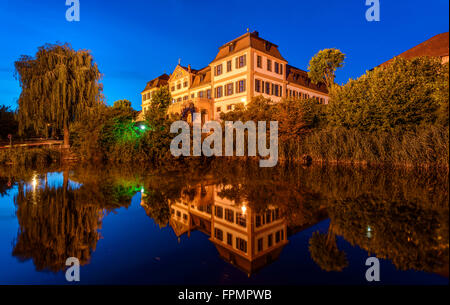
142, 190
244, 209
369, 232
34, 182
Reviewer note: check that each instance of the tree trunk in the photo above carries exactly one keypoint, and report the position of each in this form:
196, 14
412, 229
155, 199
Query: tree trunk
66, 137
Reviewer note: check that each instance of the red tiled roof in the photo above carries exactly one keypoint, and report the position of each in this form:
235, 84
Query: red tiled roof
300, 77
436, 46
249, 40
202, 77
160, 81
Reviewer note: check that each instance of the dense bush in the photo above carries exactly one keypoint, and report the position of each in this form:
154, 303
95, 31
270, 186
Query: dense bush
403, 95
111, 134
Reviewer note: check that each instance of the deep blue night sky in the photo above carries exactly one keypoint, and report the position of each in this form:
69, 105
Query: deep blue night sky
134, 41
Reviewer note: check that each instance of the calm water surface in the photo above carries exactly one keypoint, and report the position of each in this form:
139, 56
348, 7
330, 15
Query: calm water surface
223, 224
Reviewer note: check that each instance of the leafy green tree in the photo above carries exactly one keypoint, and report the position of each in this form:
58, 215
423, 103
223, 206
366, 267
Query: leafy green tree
323, 65
59, 86
122, 104
405, 94
160, 102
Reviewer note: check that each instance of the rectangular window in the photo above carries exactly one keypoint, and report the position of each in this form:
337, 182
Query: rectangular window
218, 233
219, 91
185, 84
218, 109
258, 61
218, 212
201, 94
229, 89
241, 244
218, 70
179, 86
281, 68
185, 216
229, 66
267, 88
268, 214
229, 107
270, 240
242, 61
277, 237
260, 244
241, 220
185, 98
258, 221
276, 93
269, 65
257, 85
240, 86
276, 68
229, 214
172, 88
208, 94
229, 239
192, 95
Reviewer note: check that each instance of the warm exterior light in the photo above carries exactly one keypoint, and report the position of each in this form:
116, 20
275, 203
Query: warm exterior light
244, 209
243, 99
143, 127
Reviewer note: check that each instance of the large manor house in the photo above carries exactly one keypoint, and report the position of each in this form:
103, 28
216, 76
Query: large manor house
250, 66
245, 67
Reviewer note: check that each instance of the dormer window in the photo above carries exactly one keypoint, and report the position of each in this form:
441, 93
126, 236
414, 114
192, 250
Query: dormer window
267, 45
231, 47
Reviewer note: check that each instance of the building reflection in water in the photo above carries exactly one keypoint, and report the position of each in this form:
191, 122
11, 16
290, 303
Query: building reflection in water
243, 237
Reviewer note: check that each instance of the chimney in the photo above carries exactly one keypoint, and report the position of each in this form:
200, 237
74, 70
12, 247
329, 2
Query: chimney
255, 33
189, 68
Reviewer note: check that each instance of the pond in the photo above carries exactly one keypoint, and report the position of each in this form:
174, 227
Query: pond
223, 223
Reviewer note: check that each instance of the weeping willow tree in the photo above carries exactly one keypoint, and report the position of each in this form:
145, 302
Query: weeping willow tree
59, 86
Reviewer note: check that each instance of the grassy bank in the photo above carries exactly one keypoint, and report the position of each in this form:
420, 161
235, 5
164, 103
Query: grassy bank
427, 147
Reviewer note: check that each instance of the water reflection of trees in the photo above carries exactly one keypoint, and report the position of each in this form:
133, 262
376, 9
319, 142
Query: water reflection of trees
400, 215
411, 234
58, 222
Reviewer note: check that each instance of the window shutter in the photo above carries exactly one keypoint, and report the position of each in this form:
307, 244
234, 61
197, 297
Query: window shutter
237, 62
243, 84
245, 60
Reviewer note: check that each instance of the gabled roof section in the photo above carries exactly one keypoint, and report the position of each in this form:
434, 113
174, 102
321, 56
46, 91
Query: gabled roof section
202, 77
249, 40
158, 82
436, 46
300, 77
